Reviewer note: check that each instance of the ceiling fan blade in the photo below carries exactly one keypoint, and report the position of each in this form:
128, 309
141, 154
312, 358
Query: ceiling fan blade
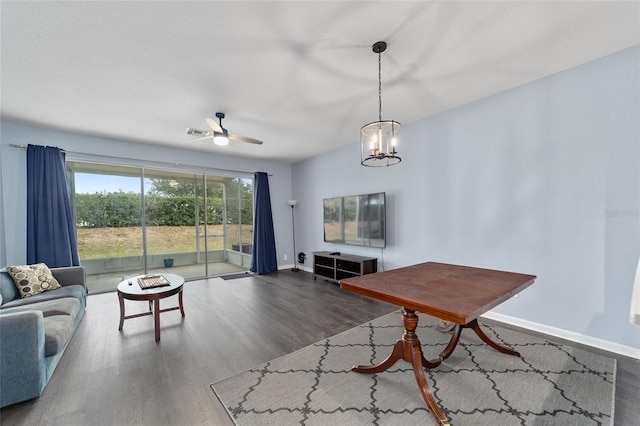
244, 139
202, 138
214, 126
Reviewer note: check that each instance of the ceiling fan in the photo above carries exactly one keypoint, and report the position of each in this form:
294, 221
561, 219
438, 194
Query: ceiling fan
219, 134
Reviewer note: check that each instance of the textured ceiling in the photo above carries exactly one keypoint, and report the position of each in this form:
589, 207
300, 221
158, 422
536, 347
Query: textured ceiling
300, 76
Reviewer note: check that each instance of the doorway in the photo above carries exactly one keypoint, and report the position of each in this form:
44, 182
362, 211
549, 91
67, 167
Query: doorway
134, 220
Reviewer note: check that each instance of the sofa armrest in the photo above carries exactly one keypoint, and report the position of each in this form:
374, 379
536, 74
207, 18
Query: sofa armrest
23, 369
71, 275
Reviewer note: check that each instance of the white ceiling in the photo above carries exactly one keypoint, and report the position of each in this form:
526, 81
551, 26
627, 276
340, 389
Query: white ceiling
298, 75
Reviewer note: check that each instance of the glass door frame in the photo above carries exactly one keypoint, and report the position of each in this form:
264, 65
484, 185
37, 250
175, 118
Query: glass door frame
203, 177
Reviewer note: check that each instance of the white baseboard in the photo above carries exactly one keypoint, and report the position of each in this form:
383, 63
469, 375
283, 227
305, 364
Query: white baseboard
567, 335
541, 328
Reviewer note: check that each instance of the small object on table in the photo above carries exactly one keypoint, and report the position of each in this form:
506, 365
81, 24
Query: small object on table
153, 281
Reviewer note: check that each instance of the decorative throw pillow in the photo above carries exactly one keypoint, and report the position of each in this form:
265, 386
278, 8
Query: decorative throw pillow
32, 279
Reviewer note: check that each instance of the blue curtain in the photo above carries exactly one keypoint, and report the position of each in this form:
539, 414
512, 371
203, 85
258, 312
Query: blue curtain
264, 258
51, 237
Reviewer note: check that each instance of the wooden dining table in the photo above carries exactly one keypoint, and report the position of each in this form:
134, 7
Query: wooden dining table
453, 293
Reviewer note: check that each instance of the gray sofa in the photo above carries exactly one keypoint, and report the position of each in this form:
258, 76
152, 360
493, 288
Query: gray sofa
35, 331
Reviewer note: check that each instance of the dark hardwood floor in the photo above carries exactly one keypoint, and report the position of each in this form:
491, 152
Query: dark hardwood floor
107, 377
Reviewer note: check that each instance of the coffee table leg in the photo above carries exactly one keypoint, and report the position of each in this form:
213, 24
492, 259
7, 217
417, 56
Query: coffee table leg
180, 303
156, 316
121, 300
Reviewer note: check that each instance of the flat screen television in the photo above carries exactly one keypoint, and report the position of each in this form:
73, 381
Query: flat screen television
357, 220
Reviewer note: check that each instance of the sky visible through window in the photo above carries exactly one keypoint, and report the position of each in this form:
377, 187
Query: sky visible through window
89, 183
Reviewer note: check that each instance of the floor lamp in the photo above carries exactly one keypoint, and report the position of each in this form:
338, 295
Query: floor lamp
292, 203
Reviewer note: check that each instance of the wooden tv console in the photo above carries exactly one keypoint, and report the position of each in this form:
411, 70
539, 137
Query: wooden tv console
335, 267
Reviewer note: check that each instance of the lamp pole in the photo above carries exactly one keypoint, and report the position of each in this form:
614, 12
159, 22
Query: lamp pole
292, 203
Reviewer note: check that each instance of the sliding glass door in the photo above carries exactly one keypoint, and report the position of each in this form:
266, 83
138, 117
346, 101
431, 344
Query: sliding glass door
134, 221
107, 202
175, 220
239, 221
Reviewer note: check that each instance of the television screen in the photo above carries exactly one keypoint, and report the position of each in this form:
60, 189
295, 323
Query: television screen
356, 220
332, 220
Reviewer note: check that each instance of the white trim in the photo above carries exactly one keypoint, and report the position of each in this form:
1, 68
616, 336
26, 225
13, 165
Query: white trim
545, 329
567, 335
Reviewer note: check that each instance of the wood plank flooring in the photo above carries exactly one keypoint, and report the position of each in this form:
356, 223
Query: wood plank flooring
107, 377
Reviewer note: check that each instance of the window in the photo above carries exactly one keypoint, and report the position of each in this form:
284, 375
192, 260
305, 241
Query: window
132, 221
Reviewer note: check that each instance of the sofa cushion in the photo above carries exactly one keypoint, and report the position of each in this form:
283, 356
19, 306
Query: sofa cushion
57, 332
61, 306
76, 291
8, 289
33, 279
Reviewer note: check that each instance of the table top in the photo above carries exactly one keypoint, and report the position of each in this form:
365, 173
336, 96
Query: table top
135, 289
450, 292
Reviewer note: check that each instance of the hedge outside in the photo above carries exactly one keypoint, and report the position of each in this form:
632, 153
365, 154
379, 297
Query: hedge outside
120, 209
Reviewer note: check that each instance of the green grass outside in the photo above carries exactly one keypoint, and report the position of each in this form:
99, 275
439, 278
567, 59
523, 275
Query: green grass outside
99, 243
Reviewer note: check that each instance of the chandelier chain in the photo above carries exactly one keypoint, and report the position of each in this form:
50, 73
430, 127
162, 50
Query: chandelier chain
379, 87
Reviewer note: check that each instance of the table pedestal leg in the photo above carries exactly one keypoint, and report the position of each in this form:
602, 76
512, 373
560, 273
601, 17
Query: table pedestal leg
408, 349
474, 325
455, 337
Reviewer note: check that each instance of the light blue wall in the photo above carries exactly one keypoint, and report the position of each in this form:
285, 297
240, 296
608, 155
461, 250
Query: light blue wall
13, 176
542, 179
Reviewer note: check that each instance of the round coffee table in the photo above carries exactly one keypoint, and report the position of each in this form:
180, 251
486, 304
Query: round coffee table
130, 289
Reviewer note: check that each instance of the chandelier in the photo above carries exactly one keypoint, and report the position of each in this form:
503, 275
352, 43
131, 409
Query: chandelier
378, 139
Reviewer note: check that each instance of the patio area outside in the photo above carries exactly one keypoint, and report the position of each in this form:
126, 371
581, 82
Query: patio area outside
108, 281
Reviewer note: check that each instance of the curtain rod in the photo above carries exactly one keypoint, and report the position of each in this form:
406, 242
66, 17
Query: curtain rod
24, 147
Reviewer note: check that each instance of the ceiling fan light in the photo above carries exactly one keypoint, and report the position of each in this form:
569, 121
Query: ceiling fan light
220, 139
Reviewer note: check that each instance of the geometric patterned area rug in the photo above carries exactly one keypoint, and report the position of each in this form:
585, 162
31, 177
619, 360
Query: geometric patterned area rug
550, 384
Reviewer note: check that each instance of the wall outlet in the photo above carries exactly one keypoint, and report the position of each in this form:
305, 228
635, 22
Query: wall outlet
286, 257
